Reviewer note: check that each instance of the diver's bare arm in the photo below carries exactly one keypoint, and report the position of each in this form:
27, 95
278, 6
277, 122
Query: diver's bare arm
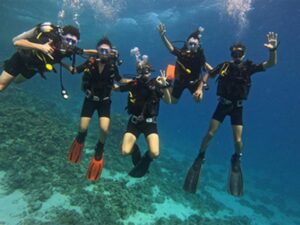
203, 81
167, 95
25, 44
45, 48
70, 68
272, 46
205, 78
162, 32
125, 81
90, 51
208, 67
25, 35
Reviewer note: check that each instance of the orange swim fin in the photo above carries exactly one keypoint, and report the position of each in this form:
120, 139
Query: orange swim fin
75, 152
95, 169
170, 72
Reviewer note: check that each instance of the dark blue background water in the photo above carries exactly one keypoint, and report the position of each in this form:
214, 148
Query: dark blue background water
271, 115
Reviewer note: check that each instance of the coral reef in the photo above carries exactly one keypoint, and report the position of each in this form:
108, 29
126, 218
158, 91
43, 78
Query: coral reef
35, 137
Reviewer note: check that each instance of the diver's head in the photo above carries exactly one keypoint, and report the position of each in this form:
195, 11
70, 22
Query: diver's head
193, 44
70, 35
104, 48
193, 40
238, 51
143, 70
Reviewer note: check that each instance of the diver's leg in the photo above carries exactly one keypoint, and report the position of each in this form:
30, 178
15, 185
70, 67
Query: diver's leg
104, 123
153, 144
96, 165
129, 139
237, 136
237, 128
84, 124
213, 127
5, 80
128, 142
76, 149
142, 167
193, 174
235, 179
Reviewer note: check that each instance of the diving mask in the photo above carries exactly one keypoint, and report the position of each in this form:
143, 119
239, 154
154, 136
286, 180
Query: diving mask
193, 44
235, 54
70, 40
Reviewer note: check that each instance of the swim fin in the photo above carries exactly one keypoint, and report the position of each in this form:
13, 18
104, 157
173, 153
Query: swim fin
75, 152
235, 180
192, 177
142, 166
95, 168
136, 155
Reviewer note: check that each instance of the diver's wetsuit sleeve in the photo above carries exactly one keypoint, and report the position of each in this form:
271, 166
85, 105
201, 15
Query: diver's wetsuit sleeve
126, 87
82, 67
255, 68
117, 74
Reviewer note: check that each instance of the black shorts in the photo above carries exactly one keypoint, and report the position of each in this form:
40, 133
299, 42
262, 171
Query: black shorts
89, 107
141, 127
235, 112
16, 65
180, 85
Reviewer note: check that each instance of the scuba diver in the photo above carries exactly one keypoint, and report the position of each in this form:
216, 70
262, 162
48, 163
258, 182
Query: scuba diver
190, 62
234, 82
144, 94
37, 50
97, 83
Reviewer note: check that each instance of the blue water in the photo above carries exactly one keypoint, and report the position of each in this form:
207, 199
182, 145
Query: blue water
271, 115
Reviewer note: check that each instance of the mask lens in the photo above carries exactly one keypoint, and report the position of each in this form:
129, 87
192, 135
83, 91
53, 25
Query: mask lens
70, 41
104, 51
237, 54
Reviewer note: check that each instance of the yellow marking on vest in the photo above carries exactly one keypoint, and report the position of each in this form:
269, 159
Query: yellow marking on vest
131, 97
224, 69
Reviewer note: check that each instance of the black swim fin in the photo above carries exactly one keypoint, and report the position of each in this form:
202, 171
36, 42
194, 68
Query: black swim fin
192, 177
235, 180
136, 155
142, 166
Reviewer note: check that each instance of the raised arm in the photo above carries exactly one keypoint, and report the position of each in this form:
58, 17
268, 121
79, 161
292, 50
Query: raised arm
272, 45
162, 31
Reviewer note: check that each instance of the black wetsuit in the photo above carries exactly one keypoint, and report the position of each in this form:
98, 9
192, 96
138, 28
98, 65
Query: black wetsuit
99, 85
28, 62
234, 84
143, 106
195, 62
